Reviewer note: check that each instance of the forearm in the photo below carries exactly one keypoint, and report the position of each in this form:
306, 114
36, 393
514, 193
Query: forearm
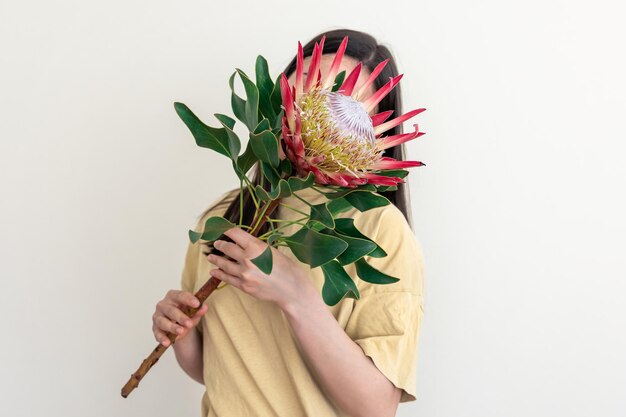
188, 352
346, 373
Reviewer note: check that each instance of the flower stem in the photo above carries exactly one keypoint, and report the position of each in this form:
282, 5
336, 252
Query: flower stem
294, 209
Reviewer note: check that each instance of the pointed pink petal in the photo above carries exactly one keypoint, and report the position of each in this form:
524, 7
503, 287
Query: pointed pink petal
395, 122
320, 177
381, 117
285, 91
371, 102
313, 67
390, 141
390, 163
381, 179
348, 84
372, 77
299, 71
338, 179
334, 68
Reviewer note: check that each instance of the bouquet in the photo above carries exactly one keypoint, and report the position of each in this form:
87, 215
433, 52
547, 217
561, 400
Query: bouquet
315, 134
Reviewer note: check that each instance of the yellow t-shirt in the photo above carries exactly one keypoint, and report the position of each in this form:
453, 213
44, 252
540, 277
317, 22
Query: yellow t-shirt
252, 363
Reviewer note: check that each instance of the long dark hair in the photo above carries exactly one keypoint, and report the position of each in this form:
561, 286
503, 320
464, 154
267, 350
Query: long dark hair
364, 48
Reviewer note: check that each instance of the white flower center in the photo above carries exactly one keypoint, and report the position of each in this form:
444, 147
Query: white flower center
350, 117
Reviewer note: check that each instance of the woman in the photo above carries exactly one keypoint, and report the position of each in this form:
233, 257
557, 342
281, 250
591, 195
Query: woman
268, 345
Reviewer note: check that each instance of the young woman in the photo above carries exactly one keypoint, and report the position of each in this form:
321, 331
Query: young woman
268, 345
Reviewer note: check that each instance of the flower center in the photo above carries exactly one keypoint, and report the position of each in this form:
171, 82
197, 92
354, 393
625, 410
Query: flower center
337, 132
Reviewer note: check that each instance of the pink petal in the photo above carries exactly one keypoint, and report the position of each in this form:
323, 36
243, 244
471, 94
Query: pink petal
313, 67
390, 163
381, 117
371, 102
395, 122
334, 68
381, 179
390, 141
372, 77
299, 71
348, 84
338, 179
285, 91
315, 64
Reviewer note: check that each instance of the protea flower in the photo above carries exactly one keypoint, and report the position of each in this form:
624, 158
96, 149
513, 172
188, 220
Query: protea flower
331, 133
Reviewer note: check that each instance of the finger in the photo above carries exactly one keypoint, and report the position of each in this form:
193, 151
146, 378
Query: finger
230, 279
231, 249
177, 315
167, 325
161, 337
185, 298
201, 312
230, 267
240, 237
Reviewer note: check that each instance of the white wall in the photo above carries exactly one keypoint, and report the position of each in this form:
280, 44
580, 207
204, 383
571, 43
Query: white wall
520, 208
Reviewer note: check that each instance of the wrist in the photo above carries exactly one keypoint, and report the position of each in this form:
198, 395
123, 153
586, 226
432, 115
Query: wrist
305, 302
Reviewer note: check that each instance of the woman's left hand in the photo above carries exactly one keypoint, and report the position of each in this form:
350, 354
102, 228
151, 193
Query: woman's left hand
287, 283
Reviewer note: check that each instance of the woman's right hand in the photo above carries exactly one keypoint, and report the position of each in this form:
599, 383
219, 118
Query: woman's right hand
169, 317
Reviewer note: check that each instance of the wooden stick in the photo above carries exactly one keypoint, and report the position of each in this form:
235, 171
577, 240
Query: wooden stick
202, 294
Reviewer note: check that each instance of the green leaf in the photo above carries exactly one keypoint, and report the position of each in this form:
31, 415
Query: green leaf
245, 110
338, 205
400, 173
370, 274
225, 120
345, 191
264, 261
234, 143
278, 122
337, 284
261, 193
214, 227
314, 248
339, 80
275, 237
281, 191
277, 99
298, 183
246, 160
385, 188
286, 168
265, 147
357, 248
263, 125
237, 103
319, 213
265, 85
365, 200
252, 102
346, 226
270, 174
216, 139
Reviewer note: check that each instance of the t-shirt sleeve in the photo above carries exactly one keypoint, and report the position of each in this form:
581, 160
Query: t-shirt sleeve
191, 267
385, 321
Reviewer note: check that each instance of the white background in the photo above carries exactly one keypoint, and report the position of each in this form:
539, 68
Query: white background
520, 209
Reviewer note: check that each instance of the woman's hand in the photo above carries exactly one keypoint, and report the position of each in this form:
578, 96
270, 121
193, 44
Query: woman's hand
169, 317
287, 283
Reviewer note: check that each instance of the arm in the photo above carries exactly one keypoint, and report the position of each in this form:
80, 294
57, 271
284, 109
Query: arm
169, 318
188, 352
347, 375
